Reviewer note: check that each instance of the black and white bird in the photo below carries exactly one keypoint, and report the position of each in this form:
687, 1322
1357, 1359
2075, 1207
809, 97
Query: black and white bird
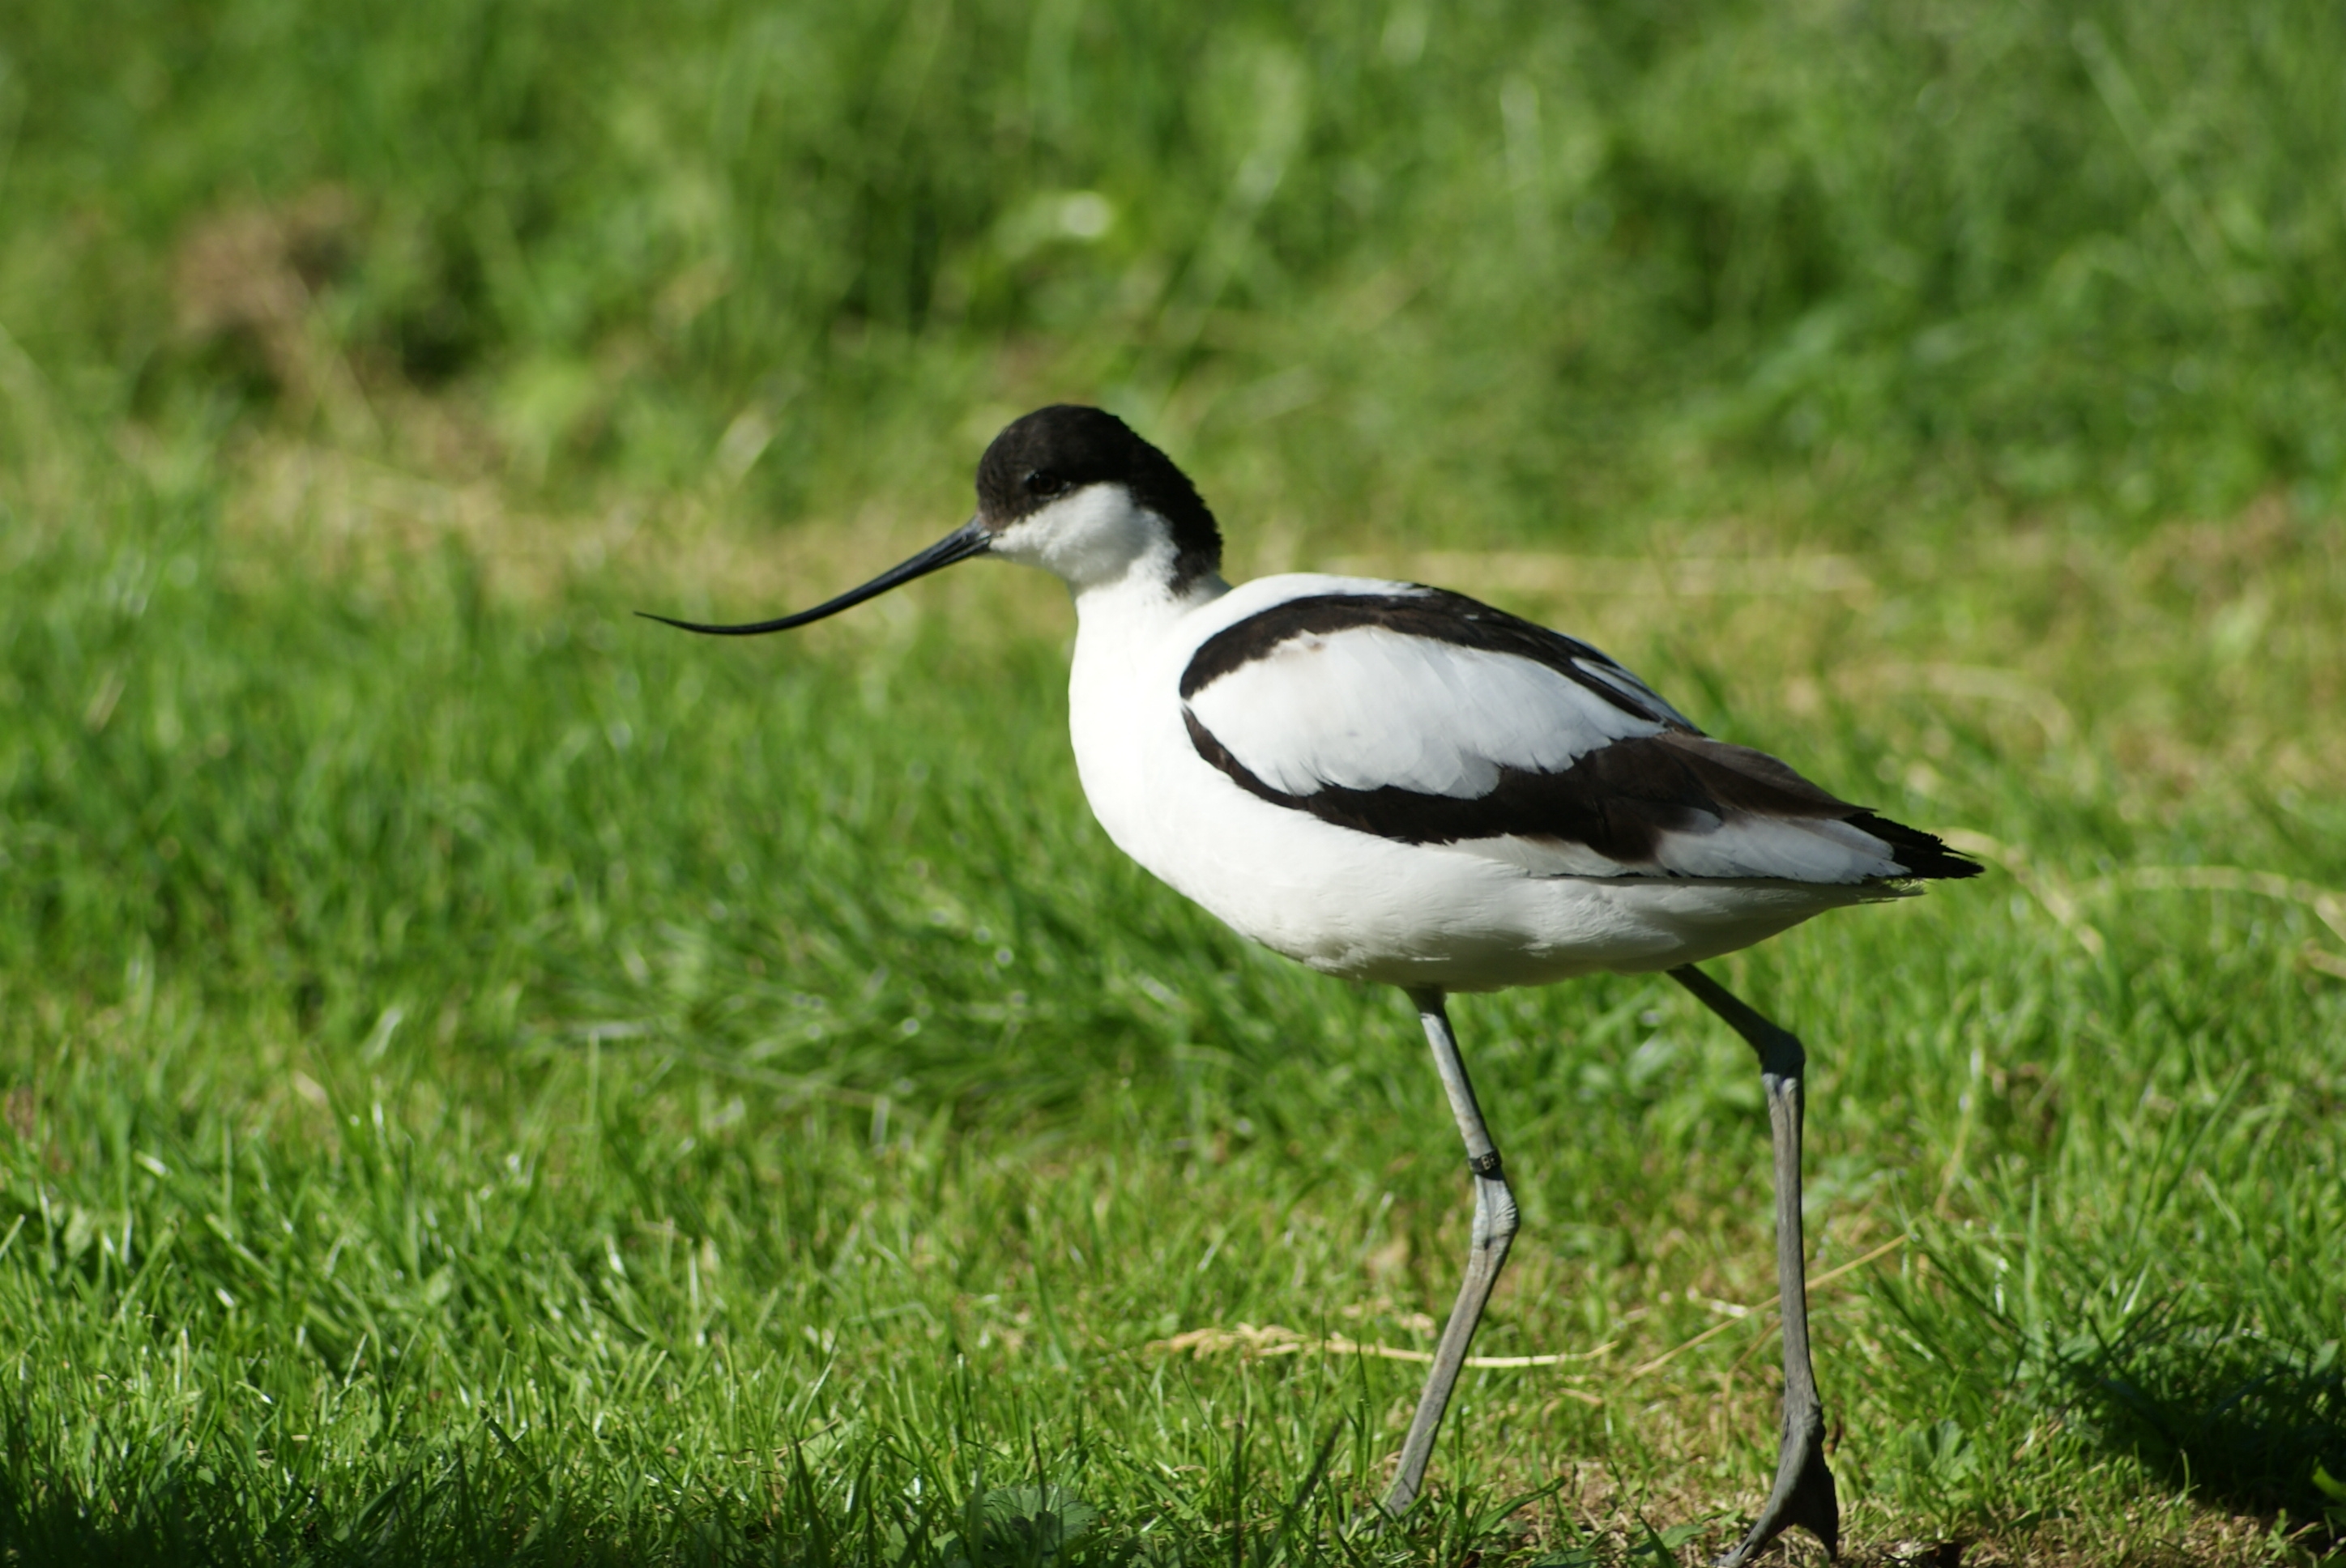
1390, 782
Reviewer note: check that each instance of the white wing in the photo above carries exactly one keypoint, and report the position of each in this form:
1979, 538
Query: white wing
1423, 717
1367, 707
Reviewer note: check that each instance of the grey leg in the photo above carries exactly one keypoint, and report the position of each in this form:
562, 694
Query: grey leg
1804, 1487
1495, 1229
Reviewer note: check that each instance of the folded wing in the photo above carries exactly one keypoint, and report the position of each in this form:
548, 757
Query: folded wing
1429, 718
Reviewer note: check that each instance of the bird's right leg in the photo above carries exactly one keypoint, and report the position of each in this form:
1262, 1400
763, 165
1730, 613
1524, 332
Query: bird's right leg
1803, 1493
1494, 1230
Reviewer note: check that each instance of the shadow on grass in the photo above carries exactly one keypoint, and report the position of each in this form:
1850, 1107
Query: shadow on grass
2254, 1425
187, 1512
2243, 1418
486, 1515
184, 1520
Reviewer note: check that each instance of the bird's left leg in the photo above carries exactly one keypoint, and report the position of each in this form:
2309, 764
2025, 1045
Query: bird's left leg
1803, 1493
1494, 1230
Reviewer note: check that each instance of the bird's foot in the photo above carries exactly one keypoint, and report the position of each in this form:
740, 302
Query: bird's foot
1803, 1496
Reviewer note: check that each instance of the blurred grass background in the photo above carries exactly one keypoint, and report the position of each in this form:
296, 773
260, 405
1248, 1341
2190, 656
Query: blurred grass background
488, 1081
1539, 270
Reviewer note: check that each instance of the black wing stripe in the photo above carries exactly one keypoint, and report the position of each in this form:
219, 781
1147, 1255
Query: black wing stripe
1435, 613
1618, 801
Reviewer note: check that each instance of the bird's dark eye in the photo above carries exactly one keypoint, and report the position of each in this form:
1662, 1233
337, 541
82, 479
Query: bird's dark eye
1042, 484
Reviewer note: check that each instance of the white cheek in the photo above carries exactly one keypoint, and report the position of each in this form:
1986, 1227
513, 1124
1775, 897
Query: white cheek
1091, 537
1023, 541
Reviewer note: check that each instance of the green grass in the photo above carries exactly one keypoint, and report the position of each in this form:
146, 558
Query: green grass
498, 1081
489, 1080
1508, 269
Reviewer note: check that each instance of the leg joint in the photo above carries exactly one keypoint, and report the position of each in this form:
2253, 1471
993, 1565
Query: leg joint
1781, 1055
1496, 1217
1495, 1227
1778, 1048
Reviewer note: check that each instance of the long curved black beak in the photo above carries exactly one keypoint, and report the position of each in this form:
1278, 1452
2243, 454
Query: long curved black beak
971, 538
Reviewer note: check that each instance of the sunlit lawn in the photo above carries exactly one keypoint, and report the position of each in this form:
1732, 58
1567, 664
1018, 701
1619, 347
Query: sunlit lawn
489, 1079
498, 1080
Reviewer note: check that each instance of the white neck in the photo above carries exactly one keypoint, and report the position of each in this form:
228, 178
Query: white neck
1119, 562
1120, 622
1130, 642
1138, 605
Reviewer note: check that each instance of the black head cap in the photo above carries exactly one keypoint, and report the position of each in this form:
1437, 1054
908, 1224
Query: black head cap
1056, 450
